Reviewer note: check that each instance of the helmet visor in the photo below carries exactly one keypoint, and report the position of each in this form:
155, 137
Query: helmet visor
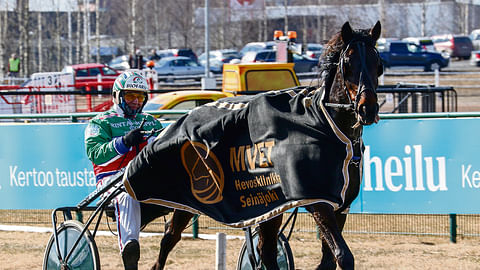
130, 96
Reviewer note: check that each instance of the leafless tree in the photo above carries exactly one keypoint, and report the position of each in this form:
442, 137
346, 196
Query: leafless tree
3, 35
24, 41
48, 40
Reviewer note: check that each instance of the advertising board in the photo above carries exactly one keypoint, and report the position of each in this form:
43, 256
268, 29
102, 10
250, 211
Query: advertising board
409, 166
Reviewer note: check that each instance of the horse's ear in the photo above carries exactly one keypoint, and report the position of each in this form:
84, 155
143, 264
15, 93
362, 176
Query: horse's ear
376, 31
347, 33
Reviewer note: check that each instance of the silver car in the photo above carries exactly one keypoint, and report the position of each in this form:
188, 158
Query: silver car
119, 62
176, 67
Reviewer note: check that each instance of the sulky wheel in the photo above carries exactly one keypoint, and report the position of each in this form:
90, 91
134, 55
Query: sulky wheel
84, 255
284, 256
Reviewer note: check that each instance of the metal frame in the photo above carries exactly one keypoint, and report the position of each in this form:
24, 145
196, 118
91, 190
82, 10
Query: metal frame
249, 237
113, 182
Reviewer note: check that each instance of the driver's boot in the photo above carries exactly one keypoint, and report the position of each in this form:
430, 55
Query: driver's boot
131, 255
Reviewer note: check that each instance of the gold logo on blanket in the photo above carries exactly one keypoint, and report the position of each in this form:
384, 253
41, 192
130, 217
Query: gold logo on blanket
205, 171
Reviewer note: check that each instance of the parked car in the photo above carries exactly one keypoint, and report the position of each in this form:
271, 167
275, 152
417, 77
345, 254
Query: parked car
164, 53
259, 56
475, 59
83, 73
181, 100
178, 52
119, 63
401, 53
169, 67
455, 46
257, 46
425, 42
313, 50
217, 58
382, 43
475, 37
302, 63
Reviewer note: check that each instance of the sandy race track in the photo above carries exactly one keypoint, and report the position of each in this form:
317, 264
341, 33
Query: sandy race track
24, 250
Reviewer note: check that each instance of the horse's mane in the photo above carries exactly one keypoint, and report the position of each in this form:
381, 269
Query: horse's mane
330, 57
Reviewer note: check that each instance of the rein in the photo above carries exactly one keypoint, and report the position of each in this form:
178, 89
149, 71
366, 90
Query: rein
353, 104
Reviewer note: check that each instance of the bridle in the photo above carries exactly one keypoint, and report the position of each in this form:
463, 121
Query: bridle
353, 105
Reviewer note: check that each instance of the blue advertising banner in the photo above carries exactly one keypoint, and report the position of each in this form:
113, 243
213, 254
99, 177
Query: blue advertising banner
410, 166
43, 166
421, 166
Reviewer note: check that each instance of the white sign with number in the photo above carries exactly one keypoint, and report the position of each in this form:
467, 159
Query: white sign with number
49, 81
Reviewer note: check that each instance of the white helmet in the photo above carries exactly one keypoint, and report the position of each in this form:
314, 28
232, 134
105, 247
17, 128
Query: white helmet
131, 81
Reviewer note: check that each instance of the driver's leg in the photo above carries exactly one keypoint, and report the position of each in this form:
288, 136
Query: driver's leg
127, 211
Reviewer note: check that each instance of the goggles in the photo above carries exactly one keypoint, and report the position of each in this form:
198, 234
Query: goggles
130, 96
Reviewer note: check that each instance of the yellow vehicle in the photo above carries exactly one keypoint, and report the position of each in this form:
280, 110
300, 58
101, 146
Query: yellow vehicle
238, 78
181, 100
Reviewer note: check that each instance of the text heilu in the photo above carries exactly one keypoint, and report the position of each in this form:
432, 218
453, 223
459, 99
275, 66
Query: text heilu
405, 173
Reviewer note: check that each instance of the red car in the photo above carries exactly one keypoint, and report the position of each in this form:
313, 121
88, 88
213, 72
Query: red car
87, 73
455, 46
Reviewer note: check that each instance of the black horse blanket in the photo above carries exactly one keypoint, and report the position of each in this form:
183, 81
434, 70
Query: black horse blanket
243, 160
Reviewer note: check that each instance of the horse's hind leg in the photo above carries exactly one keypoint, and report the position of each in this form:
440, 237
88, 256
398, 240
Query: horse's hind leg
331, 234
173, 234
267, 242
328, 260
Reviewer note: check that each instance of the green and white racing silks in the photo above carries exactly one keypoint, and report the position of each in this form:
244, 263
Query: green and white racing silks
104, 144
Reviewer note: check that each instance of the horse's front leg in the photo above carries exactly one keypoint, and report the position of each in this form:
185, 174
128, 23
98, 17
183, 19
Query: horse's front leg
331, 235
173, 234
267, 242
328, 260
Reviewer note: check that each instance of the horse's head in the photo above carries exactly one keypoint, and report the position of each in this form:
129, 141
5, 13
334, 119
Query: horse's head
358, 66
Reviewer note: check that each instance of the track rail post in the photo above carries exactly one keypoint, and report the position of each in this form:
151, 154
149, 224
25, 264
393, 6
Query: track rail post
195, 227
453, 228
221, 252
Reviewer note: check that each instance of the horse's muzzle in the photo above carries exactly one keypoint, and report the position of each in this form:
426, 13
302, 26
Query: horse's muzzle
367, 110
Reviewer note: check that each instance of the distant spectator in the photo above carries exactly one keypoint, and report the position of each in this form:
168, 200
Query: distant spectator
131, 61
153, 55
138, 59
13, 66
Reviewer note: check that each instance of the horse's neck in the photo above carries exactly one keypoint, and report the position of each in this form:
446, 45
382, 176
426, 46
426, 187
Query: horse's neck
344, 119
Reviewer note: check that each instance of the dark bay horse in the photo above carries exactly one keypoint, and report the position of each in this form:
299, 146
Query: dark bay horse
350, 66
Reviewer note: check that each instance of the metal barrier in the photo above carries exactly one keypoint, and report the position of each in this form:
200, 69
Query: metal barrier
72, 117
415, 98
399, 98
52, 101
423, 98
385, 224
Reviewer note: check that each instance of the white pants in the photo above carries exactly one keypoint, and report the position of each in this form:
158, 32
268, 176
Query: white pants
127, 211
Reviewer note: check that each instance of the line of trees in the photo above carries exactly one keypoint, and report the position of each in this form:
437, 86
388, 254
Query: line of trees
49, 40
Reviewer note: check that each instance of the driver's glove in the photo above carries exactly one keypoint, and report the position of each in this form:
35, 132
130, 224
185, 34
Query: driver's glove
133, 137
